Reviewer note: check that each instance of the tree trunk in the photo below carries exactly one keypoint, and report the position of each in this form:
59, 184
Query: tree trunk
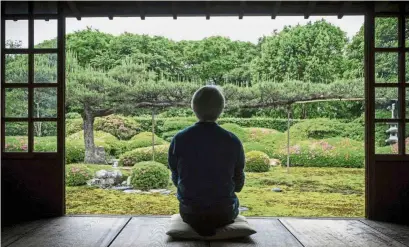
90, 156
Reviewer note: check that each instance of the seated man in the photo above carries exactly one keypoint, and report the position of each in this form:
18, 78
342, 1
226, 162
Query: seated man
207, 164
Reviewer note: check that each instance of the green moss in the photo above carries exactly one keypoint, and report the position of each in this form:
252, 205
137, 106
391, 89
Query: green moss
320, 192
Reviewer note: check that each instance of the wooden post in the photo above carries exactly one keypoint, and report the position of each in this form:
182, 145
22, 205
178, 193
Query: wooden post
153, 134
288, 137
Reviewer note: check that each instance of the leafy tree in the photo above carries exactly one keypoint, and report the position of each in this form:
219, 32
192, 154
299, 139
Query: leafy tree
313, 52
88, 44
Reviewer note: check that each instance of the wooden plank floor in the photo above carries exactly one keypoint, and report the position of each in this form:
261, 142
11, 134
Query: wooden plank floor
150, 231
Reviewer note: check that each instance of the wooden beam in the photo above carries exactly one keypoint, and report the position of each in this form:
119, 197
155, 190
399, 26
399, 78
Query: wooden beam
241, 9
310, 9
141, 10
74, 9
344, 7
174, 11
207, 10
276, 9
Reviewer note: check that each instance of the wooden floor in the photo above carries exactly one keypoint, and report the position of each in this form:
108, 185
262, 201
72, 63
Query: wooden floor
118, 231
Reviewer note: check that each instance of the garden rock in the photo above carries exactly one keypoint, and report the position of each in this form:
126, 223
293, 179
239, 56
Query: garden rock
275, 162
157, 190
104, 179
121, 188
128, 181
242, 209
276, 190
130, 191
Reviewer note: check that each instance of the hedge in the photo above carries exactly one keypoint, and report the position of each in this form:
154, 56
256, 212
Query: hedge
143, 139
76, 175
149, 175
145, 154
268, 123
169, 135
240, 132
73, 126
257, 161
317, 128
333, 152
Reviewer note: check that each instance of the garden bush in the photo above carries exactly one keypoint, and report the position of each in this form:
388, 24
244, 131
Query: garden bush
73, 126
119, 126
269, 123
149, 175
169, 135
110, 143
257, 161
145, 154
76, 175
143, 139
45, 144
318, 128
72, 115
175, 125
74, 151
257, 146
333, 152
240, 132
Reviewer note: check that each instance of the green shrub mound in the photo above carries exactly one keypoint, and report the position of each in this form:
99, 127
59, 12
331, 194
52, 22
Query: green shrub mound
75, 147
74, 151
332, 152
121, 127
175, 125
76, 175
73, 126
258, 122
318, 128
149, 175
257, 161
143, 139
145, 154
240, 132
168, 136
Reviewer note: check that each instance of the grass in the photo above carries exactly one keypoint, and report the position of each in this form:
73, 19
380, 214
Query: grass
320, 192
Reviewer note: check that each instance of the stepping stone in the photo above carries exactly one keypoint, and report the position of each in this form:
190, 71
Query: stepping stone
133, 191
276, 190
242, 209
121, 188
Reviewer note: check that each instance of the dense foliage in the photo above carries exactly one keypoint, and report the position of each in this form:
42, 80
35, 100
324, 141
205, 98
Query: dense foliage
149, 175
77, 175
257, 161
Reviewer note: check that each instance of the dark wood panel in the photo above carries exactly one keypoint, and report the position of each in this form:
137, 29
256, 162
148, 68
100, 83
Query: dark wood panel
389, 191
74, 231
12, 233
337, 233
150, 231
31, 189
270, 232
397, 232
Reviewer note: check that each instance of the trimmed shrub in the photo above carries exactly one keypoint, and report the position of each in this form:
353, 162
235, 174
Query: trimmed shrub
257, 161
143, 139
76, 175
240, 132
73, 126
145, 154
119, 126
168, 136
149, 175
318, 128
269, 123
257, 146
74, 151
72, 115
110, 143
333, 152
45, 144
173, 125
259, 134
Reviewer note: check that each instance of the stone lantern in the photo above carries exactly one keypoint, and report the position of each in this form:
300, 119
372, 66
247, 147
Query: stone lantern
393, 129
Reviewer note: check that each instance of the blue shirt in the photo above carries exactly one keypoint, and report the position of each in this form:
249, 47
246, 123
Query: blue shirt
207, 164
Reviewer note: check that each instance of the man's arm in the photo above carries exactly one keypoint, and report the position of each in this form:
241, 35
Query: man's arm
172, 162
239, 175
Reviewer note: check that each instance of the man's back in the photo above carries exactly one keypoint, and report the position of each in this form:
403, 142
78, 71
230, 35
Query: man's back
207, 165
